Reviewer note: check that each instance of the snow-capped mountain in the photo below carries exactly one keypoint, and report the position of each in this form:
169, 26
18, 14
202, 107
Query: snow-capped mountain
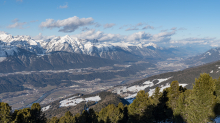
96, 48
124, 51
9, 45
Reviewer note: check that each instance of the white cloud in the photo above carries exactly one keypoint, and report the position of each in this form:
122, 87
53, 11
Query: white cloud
135, 27
205, 41
85, 29
164, 30
97, 24
163, 36
192, 40
34, 21
138, 36
123, 26
101, 36
148, 27
146, 37
139, 24
64, 6
67, 25
15, 20
182, 28
132, 28
174, 28
109, 25
41, 37
17, 25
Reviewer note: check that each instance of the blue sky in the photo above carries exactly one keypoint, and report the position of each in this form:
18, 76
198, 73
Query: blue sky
171, 22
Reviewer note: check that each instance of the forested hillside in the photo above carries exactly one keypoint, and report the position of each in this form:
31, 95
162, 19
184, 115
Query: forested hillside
175, 104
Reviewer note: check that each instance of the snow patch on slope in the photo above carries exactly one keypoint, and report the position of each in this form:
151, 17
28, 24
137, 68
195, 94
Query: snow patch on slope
162, 80
2, 59
45, 108
73, 101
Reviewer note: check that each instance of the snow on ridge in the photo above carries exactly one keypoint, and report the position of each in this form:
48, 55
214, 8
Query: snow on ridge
148, 82
131, 96
137, 88
73, 101
208, 53
45, 108
2, 59
162, 80
3, 35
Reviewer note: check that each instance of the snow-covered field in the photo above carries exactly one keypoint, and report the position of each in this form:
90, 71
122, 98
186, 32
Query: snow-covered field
73, 101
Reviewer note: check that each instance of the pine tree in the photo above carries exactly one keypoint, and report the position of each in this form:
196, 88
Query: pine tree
200, 103
180, 109
173, 95
54, 120
111, 113
36, 113
156, 95
93, 118
217, 94
84, 117
5, 110
67, 118
22, 116
140, 109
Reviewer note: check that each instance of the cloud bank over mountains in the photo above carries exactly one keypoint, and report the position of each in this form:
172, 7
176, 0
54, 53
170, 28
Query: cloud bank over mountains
88, 31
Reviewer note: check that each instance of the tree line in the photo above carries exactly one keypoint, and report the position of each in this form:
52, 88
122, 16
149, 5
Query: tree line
175, 104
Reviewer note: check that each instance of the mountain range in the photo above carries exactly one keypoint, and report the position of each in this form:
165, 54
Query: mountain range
121, 51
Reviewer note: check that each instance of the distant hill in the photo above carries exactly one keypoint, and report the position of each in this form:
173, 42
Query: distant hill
211, 55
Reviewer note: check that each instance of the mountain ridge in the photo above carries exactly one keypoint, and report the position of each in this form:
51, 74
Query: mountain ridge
109, 50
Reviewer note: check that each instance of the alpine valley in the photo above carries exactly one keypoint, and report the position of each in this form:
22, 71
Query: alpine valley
58, 70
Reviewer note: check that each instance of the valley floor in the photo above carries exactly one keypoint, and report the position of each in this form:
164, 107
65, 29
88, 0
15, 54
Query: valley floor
45, 95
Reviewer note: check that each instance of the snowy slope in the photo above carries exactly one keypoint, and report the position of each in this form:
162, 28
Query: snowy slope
73, 101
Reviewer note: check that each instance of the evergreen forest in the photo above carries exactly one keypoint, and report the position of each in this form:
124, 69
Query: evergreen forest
175, 104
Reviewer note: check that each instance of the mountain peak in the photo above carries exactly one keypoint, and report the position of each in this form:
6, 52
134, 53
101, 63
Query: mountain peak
66, 36
4, 36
